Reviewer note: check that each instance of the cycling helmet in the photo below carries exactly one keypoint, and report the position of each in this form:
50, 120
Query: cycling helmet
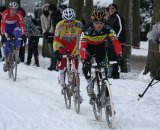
13, 5
98, 15
68, 14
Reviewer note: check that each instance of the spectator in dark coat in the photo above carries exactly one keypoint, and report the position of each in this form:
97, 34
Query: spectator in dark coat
116, 21
23, 42
56, 16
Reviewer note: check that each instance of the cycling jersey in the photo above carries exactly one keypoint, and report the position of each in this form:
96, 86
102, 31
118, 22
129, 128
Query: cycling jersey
9, 23
92, 37
66, 37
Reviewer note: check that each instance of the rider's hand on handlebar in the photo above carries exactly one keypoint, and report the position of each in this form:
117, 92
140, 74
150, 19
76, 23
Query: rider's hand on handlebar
62, 50
24, 38
3, 38
120, 60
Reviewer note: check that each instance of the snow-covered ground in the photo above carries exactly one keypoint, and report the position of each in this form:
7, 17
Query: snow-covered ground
34, 102
103, 3
142, 51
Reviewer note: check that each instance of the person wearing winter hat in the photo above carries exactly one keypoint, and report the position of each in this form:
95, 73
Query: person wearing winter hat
55, 17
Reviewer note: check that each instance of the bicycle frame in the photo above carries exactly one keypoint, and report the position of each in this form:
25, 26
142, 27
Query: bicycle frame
12, 67
104, 91
72, 88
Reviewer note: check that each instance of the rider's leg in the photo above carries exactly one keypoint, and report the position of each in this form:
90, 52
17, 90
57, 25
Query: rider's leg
35, 51
6, 52
17, 33
61, 66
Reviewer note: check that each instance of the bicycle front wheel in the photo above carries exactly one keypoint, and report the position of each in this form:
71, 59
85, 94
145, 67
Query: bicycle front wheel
14, 71
67, 98
67, 91
96, 103
109, 108
13, 68
76, 94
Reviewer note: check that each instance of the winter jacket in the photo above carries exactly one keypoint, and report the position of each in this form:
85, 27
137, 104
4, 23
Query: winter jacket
116, 22
45, 19
30, 28
55, 18
45, 22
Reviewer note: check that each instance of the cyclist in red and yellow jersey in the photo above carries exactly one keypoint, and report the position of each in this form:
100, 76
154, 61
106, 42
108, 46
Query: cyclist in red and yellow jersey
93, 44
65, 39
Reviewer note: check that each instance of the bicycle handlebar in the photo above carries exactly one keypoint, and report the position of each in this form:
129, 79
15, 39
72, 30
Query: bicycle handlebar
14, 38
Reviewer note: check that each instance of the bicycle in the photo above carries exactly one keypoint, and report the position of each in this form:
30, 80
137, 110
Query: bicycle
12, 63
103, 92
72, 83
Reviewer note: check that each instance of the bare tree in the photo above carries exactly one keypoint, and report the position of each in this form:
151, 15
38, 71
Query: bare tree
78, 6
153, 58
88, 10
136, 23
51, 1
126, 12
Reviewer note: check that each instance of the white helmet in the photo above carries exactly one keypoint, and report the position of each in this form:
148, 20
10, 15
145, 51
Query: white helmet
68, 14
13, 5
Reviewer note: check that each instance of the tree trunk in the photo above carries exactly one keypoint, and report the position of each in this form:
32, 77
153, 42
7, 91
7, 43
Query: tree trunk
153, 62
88, 10
77, 5
51, 1
136, 23
126, 12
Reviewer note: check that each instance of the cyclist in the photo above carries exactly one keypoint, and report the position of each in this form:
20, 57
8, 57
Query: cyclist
65, 38
93, 44
10, 23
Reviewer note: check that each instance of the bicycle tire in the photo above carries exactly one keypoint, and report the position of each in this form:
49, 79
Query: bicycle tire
67, 98
109, 110
76, 94
10, 64
66, 92
97, 108
13, 67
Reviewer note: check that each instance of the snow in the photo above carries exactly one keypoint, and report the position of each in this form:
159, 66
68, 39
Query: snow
34, 102
142, 51
96, 2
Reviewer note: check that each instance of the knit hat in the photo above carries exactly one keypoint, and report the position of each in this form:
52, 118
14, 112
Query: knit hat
45, 5
52, 7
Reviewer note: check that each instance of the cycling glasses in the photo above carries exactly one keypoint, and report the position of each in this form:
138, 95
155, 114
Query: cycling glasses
68, 21
99, 22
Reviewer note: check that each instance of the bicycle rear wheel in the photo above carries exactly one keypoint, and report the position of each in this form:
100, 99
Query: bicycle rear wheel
109, 110
96, 104
76, 94
67, 92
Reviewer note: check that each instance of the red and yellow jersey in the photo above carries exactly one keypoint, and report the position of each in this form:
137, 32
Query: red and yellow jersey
67, 37
7, 20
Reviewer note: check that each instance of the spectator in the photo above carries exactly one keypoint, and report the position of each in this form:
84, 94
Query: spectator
23, 42
116, 21
56, 16
46, 24
2, 8
33, 32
